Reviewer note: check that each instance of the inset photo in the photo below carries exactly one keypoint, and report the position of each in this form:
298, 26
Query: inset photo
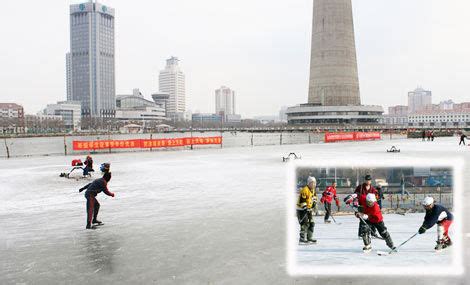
348, 220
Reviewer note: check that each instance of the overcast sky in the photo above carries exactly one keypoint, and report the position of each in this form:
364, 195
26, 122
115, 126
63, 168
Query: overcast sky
259, 48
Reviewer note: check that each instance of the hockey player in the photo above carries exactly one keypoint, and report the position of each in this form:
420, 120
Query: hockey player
362, 190
305, 205
369, 211
437, 214
327, 197
92, 205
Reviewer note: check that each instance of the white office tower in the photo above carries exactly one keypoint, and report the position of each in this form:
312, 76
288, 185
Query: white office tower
224, 101
172, 82
419, 99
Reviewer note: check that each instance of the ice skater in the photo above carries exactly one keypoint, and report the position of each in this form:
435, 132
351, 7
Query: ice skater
437, 214
305, 205
362, 190
423, 135
92, 205
462, 139
327, 197
369, 212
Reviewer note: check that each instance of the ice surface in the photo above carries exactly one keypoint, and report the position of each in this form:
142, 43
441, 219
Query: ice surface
339, 244
208, 216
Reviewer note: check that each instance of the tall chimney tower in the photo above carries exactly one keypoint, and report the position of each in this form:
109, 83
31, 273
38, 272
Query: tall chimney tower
333, 64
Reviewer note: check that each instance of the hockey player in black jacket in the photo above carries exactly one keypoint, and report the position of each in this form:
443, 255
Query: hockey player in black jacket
437, 214
92, 205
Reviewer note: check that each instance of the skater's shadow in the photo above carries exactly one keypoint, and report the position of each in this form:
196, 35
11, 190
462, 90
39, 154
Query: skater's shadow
100, 249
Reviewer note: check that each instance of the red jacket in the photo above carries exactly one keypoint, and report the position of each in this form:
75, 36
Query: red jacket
328, 195
374, 214
361, 190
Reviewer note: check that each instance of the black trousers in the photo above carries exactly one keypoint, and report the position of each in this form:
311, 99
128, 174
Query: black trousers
462, 142
381, 228
327, 211
92, 208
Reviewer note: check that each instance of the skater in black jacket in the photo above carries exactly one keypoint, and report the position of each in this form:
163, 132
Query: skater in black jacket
92, 205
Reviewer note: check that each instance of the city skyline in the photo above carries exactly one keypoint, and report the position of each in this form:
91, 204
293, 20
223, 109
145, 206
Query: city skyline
264, 61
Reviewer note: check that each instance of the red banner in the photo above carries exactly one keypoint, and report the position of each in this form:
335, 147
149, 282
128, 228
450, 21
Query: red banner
145, 143
351, 136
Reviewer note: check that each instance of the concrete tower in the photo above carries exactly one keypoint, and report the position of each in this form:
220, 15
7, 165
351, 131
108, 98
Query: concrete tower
333, 65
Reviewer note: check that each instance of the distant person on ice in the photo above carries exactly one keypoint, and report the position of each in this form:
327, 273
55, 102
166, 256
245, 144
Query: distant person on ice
305, 205
462, 139
327, 197
423, 134
362, 190
92, 205
437, 214
370, 212
380, 195
88, 166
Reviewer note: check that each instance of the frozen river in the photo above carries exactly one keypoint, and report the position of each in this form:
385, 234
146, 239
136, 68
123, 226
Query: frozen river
207, 216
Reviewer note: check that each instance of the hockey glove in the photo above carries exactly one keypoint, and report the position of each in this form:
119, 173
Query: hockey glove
422, 230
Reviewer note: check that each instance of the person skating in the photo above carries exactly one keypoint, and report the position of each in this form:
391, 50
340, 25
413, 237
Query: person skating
362, 190
423, 134
305, 205
105, 167
92, 205
462, 139
327, 197
440, 215
88, 166
432, 136
370, 212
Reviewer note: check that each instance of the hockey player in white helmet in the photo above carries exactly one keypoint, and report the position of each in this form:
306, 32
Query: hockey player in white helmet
440, 215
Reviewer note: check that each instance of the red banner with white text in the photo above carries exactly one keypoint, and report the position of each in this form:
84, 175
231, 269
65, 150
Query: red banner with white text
351, 136
145, 143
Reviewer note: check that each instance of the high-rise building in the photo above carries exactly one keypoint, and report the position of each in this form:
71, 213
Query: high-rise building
92, 59
172, 82
224, 101
419, 99
333, 95
68, 67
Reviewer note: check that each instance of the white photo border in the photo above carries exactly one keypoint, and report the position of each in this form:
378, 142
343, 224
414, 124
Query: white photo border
455, 268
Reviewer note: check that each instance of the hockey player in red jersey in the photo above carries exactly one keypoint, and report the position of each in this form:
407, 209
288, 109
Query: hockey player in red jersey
369, 212
327, 198
362, 190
